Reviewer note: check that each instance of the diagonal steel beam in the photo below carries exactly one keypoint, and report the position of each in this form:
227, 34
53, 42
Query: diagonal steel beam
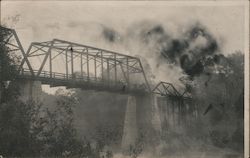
45, 58
23, 53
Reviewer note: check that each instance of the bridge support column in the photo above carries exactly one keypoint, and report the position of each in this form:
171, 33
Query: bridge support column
30, 90
156, 116
130, 124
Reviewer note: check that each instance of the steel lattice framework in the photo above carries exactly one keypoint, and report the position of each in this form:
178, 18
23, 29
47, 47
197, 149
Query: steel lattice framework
167, 89
64, 63
85, 63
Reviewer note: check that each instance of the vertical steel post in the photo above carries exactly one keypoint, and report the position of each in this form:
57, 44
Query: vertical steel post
81, 66
95, 66
72, 62
115, 70
50, 64
102, 65
67, 71
128, 73
108, 74
88, 63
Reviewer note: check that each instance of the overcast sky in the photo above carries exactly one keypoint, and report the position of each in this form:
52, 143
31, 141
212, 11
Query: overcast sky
79, 21
83, 21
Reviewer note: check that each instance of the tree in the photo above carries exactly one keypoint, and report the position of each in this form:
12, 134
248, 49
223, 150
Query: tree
26, 128
17, 119
59, 134
8, 62
219, 93
20, 127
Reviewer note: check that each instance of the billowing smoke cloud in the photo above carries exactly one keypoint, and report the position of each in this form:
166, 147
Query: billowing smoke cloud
110, 34
170, 56
192, 49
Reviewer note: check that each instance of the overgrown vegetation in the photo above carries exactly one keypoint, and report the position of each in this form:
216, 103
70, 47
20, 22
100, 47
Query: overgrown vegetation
27, 128
220, 95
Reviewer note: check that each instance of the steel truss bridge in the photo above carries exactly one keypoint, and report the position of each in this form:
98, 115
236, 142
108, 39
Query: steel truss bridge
73, 65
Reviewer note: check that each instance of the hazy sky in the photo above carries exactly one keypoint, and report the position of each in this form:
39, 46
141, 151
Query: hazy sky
79, 20
83, 22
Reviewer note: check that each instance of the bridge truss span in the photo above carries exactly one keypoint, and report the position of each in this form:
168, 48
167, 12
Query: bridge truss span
73, 61
63, 63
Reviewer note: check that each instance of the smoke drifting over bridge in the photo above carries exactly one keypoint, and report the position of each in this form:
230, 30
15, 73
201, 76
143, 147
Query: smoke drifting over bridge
170, 56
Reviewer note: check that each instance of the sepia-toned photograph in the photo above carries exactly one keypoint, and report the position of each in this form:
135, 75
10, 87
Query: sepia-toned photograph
124, 79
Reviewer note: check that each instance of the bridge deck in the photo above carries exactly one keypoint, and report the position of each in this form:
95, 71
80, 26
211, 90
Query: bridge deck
87, 83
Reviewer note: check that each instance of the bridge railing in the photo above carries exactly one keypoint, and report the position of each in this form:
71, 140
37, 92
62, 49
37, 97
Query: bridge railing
57, 75
77, 78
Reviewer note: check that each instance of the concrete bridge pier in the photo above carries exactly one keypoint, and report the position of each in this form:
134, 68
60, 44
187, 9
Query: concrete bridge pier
130, 124
142, 117
30, 90
156, 116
